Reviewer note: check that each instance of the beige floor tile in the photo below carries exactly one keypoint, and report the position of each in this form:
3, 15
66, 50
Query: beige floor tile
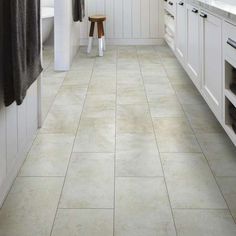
131, 94
95, 135
100, 100
175, 135
142, 208
190, 182
152, 69
99, 111
202, 119
62, 119
71, 222
155, 79
178, 76
204, 223
149, 58
70, 95
220, 152
89, 182
166, 106
78, 78
228, 188
49, 155
30, 207
129, 79
157, 90
138, 163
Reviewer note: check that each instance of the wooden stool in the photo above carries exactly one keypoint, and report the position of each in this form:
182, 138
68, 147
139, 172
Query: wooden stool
101, 35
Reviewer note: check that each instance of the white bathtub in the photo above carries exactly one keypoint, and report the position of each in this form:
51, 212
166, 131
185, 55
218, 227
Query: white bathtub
47, 22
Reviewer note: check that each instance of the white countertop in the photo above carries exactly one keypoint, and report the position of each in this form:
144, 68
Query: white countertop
225, 8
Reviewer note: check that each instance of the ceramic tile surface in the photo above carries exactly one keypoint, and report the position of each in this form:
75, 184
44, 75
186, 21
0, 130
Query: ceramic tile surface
127, 147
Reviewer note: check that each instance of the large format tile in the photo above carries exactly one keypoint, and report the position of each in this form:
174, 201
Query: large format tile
166, 106
190, 182
174, 134
228, 188
62, 119
220, 152
89, 182
30, 207
95, 135
202, 119
78, 78
204, 223
70, 95
48, 156
142, 208
84, 222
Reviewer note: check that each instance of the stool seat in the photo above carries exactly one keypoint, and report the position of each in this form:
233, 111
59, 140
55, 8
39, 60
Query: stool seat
97, 18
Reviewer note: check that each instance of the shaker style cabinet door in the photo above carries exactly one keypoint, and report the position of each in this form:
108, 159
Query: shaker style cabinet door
193, 45
181, 24
212, 81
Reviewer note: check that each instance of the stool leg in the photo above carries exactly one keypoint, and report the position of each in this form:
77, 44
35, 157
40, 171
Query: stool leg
90, 43
100, 44
103, 38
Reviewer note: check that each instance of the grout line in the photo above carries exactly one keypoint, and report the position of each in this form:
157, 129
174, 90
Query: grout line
114, 200
171, 209
68, 164
89, 208
195, 135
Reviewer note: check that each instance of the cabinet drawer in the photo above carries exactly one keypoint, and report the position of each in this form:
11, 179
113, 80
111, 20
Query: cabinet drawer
230, 40
169, 5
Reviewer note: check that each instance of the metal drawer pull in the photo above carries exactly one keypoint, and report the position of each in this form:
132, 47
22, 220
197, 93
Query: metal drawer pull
195, 10
165, 0
181, 3
232, 43
170, 3
203, 15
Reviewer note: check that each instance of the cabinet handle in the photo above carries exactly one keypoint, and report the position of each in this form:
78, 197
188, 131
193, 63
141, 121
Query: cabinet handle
181, 3
165, 0
170, 3
203, 15
195, 10
232, 43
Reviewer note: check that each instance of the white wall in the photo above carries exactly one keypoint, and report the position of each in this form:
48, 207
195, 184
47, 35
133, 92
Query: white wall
47, 3
128, 21
18, 126
67, 35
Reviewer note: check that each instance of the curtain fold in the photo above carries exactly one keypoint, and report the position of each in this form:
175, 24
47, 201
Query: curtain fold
78, 10
22, 48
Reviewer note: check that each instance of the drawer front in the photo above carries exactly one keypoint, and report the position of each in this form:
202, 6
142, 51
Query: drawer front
169, 5
230, 40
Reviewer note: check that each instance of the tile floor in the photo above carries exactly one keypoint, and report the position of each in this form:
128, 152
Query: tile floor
128, 148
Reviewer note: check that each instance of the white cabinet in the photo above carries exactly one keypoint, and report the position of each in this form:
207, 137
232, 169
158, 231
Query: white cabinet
193, 41
181, 31
212, 77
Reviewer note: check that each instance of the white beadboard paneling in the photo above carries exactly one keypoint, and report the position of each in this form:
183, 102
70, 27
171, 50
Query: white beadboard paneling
145, 18
109, 6
154, 18
3, 164
127, 18
21, 125
118, 14
136, 17
11, 137
131, 20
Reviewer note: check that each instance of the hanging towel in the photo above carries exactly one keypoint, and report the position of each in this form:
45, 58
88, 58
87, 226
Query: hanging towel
22, 45
78, 10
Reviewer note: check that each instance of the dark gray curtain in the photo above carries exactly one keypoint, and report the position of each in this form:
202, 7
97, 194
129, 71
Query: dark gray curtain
22, 47
78, 10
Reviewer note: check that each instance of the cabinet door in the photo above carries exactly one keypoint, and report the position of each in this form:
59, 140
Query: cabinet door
193, 42
181, 24
211, 32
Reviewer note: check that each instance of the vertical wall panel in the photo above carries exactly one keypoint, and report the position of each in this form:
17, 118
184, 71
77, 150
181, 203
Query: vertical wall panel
145, 18
11, 137
127, 18
154, 18
118, 14
136, 16
21, 125
109, 6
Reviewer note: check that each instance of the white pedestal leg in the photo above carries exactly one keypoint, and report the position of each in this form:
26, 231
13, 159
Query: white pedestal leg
90, 44
104, 43
100, 46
